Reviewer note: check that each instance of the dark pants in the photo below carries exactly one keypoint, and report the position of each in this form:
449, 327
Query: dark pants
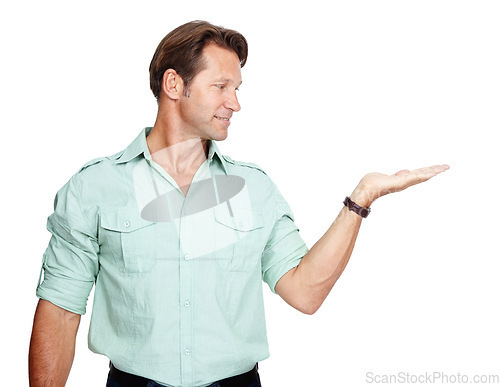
117, 378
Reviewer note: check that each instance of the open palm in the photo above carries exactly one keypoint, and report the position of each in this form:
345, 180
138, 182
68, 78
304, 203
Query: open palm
378, 184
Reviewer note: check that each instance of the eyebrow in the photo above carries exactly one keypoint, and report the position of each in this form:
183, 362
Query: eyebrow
227, 80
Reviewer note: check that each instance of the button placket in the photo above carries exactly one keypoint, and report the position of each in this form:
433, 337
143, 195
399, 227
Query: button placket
186, 262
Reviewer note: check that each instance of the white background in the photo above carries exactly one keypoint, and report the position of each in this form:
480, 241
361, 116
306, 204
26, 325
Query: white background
332, 90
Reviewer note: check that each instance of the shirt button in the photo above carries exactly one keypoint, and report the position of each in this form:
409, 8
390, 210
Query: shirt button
186, 304
186, 257
127, 223
187, 352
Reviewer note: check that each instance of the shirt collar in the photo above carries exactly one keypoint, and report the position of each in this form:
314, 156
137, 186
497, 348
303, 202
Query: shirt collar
213, 149
139, 146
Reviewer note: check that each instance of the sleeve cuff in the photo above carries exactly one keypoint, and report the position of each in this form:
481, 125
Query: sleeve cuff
65, 293
273, 275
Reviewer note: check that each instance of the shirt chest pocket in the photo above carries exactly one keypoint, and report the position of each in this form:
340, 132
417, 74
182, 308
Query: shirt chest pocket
243, 230
130, 239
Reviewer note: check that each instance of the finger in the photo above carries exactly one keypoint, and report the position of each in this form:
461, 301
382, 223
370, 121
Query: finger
440, 168
434, 170
404, 178
429, 172
423, 174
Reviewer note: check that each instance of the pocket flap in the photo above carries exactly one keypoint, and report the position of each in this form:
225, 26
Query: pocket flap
243, 220
123, 220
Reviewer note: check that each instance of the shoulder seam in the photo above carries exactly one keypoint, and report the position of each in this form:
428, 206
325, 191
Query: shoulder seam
98, 160
244, 164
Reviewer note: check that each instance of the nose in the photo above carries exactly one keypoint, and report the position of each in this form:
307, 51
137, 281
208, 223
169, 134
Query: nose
232, 102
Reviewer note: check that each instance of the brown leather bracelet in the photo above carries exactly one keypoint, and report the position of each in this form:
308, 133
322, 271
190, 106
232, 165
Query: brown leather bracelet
361, 211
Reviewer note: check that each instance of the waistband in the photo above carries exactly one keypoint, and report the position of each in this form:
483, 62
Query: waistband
130, 380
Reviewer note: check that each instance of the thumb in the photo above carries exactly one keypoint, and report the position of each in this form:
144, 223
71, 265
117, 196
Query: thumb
402, 172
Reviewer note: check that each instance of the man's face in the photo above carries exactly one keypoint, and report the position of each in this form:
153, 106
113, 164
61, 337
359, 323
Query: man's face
212, 99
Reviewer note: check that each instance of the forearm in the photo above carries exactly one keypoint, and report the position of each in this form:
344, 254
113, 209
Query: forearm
52, 346
321, 267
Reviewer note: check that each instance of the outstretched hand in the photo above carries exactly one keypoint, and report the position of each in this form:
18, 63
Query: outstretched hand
375, 185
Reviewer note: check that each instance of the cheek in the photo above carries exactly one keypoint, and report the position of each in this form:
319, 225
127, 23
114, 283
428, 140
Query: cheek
191, 110
201, 109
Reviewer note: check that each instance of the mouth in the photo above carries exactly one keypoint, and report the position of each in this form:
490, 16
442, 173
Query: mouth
226, 119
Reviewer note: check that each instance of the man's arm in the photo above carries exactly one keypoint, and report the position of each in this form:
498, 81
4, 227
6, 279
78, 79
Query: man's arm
306, 286
52, 346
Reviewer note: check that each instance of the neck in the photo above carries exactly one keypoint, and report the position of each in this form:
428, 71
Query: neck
174, 150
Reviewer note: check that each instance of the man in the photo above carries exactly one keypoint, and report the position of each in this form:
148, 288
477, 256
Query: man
178, 237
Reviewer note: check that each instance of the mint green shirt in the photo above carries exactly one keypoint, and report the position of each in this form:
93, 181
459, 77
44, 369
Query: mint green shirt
178, 279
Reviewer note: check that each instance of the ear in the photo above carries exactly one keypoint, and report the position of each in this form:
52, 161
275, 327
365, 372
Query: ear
172, 84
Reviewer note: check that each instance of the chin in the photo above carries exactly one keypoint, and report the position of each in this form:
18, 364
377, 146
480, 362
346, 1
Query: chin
219, 136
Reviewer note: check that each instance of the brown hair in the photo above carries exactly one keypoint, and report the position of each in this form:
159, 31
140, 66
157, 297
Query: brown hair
181, 50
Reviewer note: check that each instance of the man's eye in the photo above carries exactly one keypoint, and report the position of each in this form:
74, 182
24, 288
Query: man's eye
221, 87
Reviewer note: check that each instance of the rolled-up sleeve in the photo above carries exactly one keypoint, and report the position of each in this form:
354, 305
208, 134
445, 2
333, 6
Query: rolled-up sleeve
70, 262
285, 247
